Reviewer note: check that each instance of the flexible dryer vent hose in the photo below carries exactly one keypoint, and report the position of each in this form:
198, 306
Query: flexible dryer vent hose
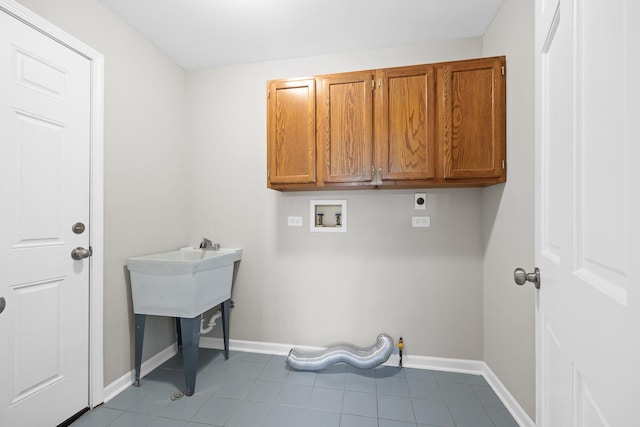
364, 358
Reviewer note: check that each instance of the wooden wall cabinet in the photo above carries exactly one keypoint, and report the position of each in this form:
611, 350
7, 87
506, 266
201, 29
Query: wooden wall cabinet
432, 125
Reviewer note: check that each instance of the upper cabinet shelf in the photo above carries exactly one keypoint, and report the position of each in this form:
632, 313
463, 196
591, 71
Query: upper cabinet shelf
432, 125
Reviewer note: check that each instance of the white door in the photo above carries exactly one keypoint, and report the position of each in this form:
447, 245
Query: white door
588, 212
44, 191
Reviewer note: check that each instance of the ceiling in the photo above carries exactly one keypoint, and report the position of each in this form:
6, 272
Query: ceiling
200, 34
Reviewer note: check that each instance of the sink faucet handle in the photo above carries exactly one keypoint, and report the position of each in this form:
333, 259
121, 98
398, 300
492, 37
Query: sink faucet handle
206, 243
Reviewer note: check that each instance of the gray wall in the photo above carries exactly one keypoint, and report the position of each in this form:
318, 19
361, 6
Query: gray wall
508, 215
297, 287
185, 157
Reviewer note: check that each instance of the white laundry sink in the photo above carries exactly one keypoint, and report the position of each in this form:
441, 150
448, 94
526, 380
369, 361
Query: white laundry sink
181, 283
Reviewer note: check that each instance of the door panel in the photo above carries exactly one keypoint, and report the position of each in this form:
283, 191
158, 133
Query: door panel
602, 257
44, 169
36, 195
31, 372
557, 119
587, 206
557, 380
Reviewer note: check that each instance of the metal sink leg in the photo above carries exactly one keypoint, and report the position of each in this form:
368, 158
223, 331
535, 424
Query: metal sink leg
190, 332
140, 321
225, 308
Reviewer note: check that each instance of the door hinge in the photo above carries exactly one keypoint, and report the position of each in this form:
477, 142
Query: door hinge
380, 83
373, 84
268, 94
268, 173
503, 164
502, 70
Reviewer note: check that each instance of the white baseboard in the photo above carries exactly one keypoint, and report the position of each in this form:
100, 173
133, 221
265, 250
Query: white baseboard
122, 383
420, 362
248, 346
521, 417
408, 361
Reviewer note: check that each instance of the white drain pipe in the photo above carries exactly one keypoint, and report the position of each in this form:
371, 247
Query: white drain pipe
212, 322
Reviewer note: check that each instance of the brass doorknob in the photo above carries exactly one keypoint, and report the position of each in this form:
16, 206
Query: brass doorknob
521, 277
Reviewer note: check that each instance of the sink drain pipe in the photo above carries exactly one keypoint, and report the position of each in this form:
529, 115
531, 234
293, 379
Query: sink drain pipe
364, 358
212, 322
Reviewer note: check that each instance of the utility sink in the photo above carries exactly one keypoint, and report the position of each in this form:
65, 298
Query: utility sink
182, 283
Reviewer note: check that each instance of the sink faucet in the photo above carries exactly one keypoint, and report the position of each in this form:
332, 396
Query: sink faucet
208, 245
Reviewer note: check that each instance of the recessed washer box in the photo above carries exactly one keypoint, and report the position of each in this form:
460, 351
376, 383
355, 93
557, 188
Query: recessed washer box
328, 216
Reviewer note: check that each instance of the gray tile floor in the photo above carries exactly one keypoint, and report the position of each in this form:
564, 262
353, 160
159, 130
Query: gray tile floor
258, 390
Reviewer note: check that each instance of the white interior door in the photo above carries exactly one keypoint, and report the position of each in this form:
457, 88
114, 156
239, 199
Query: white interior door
588, 212
44, 189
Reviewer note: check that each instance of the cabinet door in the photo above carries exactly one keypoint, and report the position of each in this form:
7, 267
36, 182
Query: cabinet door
473, 118
291, 136
405, 124
346, 127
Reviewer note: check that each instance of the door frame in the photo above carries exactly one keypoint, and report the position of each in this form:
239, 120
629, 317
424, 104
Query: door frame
96, 198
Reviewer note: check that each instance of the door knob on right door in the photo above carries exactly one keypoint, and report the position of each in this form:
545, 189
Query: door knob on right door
521, 277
